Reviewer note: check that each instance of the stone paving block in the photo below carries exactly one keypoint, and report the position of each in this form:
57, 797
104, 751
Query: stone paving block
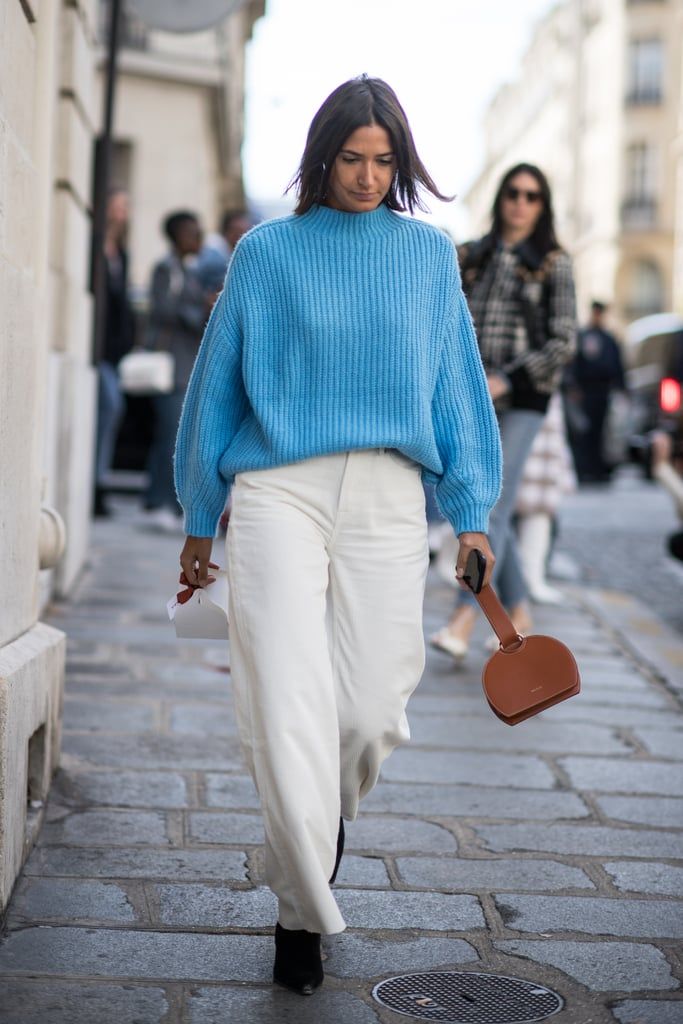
276, 1006
637, 876
477, 734
153, 750
517, 772
230, 791
107, 715
117, 953
69, 1002
591, 841
392, 835
619, 697
662, 742
363, 871
617, 775
204, 719
101, 828
69, 899
601, 967
233, 829
458, 875
595, 679
360, 956
392, 910
617, 717
649, 1011
194, 865
474, 802
593, 915
216, 906
666, 812
121, 788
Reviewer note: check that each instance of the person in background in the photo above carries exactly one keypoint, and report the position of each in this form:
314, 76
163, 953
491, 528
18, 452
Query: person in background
118, 340
596, 371
548, 475
520, 289
178, 311
667, 469
212, 264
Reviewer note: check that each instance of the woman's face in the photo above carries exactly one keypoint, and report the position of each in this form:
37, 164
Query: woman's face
522, 203
363, 171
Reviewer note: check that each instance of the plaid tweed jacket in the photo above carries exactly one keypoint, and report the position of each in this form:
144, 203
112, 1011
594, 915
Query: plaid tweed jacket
524, 310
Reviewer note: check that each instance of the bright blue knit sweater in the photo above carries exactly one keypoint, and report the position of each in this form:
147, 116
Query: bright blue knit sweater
339, 331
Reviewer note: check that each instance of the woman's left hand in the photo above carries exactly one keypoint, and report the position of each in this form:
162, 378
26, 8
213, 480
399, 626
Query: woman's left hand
468, 542
498, 386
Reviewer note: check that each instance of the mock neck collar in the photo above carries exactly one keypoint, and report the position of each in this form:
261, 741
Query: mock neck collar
338, 223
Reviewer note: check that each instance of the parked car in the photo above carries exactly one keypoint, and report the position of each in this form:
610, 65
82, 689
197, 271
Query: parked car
654, 357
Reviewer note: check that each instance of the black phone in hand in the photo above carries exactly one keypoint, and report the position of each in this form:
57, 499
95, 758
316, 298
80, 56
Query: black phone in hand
475, 569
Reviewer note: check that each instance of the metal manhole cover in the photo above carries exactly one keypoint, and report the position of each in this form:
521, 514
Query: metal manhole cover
467, 998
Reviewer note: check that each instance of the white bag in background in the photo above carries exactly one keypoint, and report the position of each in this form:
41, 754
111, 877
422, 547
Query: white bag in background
142, 372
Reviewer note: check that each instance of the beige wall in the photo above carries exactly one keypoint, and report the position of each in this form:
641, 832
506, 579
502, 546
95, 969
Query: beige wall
46, 381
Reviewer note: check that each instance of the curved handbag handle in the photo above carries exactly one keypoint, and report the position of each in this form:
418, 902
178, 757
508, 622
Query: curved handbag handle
501, 622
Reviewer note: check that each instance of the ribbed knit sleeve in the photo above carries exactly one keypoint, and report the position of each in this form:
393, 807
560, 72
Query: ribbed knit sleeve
465, 428
214, 406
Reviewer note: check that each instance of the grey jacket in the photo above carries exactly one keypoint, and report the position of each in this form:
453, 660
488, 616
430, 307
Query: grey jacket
177, 314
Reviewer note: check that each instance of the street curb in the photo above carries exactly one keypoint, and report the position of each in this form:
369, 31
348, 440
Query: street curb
640, 631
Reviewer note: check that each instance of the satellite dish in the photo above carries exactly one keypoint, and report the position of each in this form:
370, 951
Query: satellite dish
182, 15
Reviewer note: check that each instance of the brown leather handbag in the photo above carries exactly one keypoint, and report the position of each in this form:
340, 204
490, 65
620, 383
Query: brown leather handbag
527, 674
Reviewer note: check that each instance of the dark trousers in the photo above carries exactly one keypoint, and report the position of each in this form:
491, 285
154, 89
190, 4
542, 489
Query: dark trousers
161, 488
588, 445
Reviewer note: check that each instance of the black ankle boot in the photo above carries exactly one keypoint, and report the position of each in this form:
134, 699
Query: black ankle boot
298, 964
340, 850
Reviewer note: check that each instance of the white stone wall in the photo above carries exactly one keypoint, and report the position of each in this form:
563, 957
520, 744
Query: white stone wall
46, 381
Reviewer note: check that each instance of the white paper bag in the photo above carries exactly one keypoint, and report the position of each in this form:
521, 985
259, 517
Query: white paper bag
205, 615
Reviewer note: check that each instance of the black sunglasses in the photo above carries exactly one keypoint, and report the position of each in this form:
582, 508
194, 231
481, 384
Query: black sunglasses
513, 194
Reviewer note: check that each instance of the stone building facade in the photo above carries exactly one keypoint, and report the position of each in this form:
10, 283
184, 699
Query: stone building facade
597, 105
50, 113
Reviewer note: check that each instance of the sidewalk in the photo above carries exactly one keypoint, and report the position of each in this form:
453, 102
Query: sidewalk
551, 851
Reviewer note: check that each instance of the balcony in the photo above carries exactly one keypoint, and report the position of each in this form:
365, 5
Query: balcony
639, 213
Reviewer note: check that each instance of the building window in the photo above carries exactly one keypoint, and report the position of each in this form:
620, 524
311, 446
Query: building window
645, 71
646, 290
639, 209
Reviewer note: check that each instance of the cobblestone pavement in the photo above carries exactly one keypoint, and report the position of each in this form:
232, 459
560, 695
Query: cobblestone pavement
551, 851
617, 534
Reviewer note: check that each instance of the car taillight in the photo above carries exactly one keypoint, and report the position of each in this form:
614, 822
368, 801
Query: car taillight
669, 395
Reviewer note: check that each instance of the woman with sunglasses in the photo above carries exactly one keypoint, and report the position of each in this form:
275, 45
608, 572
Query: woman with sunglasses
338, 367
520, 290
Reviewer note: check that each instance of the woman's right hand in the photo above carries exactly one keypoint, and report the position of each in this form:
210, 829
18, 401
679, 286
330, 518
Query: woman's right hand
195, 561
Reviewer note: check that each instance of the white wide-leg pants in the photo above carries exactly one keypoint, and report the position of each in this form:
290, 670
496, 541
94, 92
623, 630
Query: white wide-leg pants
327, 561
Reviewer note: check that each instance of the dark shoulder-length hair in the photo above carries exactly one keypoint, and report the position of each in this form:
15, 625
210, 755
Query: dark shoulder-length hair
354, 104
543, 237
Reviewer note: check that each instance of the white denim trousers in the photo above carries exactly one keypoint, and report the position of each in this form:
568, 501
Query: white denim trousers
327, 561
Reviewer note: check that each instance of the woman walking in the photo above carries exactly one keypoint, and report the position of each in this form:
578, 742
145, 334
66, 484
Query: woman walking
338, 365
520, 290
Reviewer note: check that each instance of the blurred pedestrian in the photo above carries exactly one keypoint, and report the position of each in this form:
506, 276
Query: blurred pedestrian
339, 362
548, 475
214, 256
667, 468
178, 311
519, 285
118, 340
594, 374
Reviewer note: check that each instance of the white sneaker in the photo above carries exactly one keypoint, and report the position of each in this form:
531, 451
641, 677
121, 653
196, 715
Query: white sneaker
162, 520
562, 567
